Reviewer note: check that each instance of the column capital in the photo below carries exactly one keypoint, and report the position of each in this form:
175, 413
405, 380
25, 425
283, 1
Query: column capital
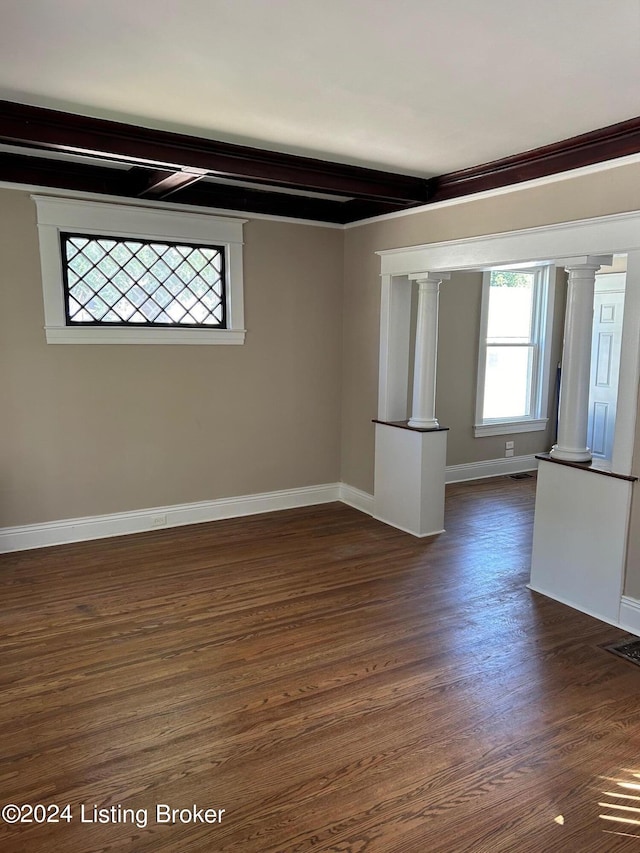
429, 277
585, 262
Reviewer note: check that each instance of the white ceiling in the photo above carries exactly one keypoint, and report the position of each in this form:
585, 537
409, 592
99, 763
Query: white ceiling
420, 86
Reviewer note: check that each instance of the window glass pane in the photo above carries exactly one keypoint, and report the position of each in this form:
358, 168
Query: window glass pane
144, 282
510, 307
507, 386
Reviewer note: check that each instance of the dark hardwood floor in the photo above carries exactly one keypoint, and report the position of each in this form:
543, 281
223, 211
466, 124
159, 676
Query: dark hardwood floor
331, 683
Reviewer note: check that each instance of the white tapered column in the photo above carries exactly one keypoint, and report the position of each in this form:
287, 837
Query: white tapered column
573, 413
423, 411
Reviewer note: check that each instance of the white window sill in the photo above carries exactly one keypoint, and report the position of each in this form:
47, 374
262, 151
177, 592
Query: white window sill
146, 335
508, 427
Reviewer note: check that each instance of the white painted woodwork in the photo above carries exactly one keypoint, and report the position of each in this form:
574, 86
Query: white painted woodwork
579, 539
137, 521
573, 412
423, 411
129, 220
26, 536
630, 615
410, 479
395, 336
606, 342
490, 468
604, 521
544, 301
619, 233
628, 380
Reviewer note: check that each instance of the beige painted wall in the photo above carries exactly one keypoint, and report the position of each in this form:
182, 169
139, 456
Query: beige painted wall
99, 429
612, 191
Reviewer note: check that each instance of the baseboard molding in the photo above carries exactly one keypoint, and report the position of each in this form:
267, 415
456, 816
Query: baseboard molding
630, 615
139, 521
628, 620
356, 498
574, 606
69, 530
490, 468
406, 529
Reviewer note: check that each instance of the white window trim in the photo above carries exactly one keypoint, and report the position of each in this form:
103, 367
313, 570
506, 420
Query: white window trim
543, 319
127, 221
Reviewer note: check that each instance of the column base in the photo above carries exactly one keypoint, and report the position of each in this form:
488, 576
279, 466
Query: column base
420, 423
571, 455
409, 478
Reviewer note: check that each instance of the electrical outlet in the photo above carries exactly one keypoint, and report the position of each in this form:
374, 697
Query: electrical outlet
158, 520
508, 452
509, 445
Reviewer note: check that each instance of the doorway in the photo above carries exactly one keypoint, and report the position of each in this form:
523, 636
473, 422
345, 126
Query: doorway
606, 343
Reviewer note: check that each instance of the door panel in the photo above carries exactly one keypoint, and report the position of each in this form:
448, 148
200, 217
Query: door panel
608, 309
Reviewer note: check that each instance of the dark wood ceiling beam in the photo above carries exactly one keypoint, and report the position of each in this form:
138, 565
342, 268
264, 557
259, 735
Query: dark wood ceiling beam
587, 149
83, 177
33, 127
158, 183
52, 130
208, 194
61, 174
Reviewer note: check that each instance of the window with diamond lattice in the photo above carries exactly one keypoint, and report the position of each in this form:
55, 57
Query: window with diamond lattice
142, 282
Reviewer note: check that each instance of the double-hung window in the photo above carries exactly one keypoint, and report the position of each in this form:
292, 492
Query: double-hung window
125, 274
514, 353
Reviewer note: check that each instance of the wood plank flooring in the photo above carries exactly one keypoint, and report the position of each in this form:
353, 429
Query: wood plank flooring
331, 683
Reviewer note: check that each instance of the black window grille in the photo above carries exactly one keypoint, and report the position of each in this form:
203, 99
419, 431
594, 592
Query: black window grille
135, 282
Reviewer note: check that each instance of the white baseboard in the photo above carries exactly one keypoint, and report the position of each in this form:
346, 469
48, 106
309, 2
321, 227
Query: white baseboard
629, 619
122, 523
356, 498
490, 468
410, 532
630, 615
68, 530
572, 604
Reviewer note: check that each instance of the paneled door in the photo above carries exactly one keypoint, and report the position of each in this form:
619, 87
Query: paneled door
608, 309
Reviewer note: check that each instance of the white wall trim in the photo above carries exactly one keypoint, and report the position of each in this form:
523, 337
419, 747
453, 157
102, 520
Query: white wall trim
453, 474
511, 188
630, 615
617, 233
490, 468
131, 335
356, 498
510, 427
572, 604
128, 221
139, 521
403, 529
629, 619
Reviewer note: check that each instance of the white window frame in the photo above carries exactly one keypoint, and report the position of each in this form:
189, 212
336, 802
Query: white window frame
542, 319
125, 221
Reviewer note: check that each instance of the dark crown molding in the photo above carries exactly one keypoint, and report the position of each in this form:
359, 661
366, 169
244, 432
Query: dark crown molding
164, 164
587, 149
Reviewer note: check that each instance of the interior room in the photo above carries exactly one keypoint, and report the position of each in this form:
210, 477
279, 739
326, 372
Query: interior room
320, 368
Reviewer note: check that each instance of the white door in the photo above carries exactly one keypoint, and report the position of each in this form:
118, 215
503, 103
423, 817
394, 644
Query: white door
608, 309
